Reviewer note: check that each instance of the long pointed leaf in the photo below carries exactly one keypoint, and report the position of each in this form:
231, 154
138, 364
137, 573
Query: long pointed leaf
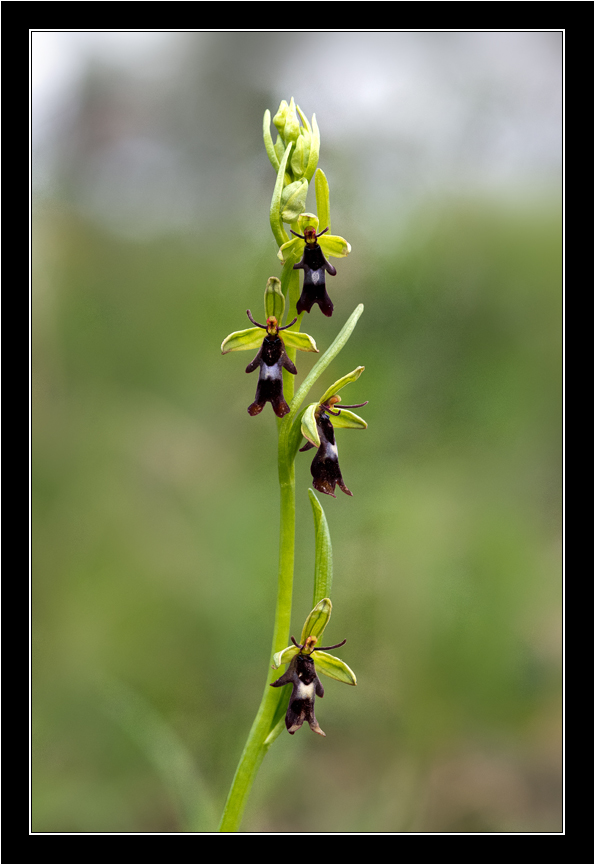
323, 557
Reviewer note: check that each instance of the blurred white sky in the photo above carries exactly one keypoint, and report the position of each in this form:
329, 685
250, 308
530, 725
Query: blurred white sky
419, 109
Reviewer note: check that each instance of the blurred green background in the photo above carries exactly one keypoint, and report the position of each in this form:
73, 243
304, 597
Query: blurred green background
155, 498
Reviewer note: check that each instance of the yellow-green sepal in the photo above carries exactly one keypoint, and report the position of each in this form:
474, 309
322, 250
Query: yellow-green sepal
307, 220
309, 428
293, 200
317, 621
304, 120
291, 251
284, 656
336, 387
348, 419
333, 245
334, 667
242, 340
301, 341
274, 301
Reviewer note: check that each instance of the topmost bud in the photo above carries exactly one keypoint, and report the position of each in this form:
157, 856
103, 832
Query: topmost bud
286, 121
293, 128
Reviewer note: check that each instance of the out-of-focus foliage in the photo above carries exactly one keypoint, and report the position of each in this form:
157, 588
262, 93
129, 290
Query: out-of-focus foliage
155, 520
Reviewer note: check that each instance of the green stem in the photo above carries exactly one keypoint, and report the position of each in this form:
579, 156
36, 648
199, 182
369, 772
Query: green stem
267, 723
267, 716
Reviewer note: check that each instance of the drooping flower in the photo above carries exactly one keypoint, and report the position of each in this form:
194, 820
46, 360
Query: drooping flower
313, 261
319, 421
272, 356
301, 673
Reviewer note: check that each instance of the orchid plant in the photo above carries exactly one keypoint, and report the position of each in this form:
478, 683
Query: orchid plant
294, 156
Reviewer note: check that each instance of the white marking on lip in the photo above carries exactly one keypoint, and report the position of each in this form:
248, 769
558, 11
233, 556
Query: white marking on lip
268, 371
306, 692
331, 449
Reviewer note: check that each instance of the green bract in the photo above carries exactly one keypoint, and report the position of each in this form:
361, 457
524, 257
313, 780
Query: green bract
311, 633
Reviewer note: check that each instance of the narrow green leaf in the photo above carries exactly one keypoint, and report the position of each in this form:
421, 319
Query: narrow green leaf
334, 667
323, 557
336, 387
268, 141
279, 232
323, 205
167, 753
317, 620
242, 340
279, 725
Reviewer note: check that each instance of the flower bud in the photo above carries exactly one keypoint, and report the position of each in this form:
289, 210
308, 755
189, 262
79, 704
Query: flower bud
292, 124
299, 158
293, 200
279, 118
